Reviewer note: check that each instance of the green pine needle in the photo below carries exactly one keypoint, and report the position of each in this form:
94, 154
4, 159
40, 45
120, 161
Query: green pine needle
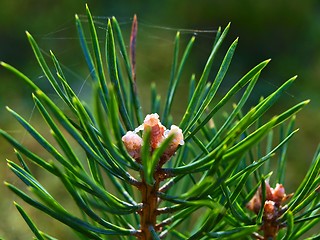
135, 190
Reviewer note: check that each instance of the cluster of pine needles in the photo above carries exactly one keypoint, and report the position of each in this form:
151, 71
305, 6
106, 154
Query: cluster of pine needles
197, 180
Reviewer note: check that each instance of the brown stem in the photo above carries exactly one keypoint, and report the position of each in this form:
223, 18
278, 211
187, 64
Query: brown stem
148, 213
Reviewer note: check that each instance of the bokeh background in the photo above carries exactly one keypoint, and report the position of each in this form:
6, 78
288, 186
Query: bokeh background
286, 31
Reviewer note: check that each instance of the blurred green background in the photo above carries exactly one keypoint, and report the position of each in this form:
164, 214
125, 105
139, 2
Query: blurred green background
286, 31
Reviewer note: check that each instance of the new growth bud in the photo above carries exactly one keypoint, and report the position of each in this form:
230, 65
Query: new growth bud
278, 194
272, 208
269, 210
133, 143
158, 134
157, 130
176, 141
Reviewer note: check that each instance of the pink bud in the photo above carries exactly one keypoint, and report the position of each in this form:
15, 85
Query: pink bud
158, 133
133, 143
268, 191
176, 141
152, 121
278, 193
270, 210
255, 203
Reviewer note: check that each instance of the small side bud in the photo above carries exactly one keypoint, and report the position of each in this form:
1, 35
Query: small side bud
278, 193
176, 141
133, 143
272, 209
254, 204
269, 192
270, 226
269, 210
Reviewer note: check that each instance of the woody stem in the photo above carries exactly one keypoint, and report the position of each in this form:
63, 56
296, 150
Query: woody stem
148, 213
